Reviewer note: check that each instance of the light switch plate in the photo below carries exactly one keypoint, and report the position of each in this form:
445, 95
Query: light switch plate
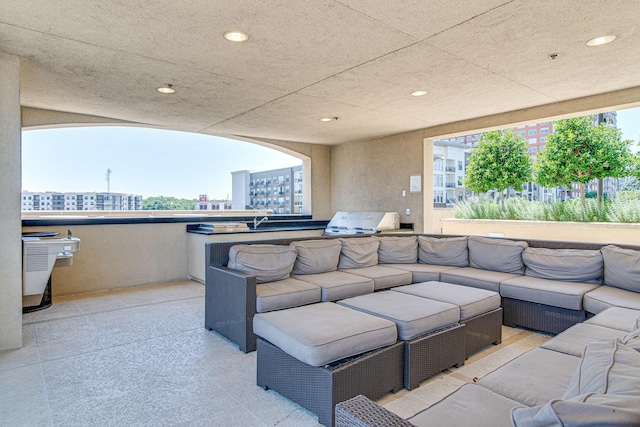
408, 211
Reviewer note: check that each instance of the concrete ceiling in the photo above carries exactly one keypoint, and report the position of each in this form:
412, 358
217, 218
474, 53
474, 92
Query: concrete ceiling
357, 60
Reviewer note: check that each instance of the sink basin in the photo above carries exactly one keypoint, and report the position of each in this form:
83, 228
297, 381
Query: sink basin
39, 256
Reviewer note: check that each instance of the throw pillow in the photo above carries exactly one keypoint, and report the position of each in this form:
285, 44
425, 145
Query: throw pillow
490, 253
450, 251
621, 267
268, 263
359, 252
316, 256
397, 250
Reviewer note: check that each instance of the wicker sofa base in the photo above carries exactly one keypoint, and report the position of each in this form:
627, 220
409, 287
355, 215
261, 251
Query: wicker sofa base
482, 330
540, 317
427, 355
319, 389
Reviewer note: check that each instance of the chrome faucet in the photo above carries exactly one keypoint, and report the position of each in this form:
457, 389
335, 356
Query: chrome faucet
256, 223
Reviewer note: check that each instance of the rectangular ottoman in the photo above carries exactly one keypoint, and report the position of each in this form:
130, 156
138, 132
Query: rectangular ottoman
321, 354
480, 310
434, 340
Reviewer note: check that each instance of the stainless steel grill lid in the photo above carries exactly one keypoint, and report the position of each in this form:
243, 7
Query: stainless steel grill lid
362, 222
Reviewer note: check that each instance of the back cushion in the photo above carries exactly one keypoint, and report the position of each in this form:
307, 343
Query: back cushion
316, 256
359, 252
268, 263
621, 267
569, 265
397, 250
496, 254
443, 251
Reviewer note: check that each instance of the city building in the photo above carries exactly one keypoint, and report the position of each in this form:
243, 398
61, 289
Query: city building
56, 201
279, 190
448, 178
204, 204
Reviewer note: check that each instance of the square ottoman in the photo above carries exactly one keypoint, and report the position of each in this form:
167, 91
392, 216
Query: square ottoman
434, 340
321, 354
480, 310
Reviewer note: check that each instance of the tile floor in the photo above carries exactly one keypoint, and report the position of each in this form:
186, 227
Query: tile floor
141, 357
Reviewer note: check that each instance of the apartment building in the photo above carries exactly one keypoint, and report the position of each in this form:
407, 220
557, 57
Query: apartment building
204, 204
279, 190
55, 201
448, 177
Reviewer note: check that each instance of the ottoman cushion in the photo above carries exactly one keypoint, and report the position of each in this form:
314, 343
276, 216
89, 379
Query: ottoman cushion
322, 333
472, 301
413, 316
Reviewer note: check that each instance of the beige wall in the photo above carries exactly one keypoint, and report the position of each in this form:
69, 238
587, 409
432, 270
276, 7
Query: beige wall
370, 176
10, 183
116, 256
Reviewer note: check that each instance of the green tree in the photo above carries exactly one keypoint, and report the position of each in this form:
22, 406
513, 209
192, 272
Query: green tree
578, 151
162, 203
500, 161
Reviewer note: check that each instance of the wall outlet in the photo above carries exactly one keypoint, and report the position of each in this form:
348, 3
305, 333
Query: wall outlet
408, 211
404, 193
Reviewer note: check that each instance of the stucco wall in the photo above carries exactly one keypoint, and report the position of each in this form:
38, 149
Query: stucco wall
370, 176
10, 243
116, 256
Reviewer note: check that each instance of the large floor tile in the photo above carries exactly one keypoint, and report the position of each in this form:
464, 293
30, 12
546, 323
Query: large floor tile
23, 397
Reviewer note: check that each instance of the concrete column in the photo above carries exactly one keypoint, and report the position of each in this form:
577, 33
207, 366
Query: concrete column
10, 188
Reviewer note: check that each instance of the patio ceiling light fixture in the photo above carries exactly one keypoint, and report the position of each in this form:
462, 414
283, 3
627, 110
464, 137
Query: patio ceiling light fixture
166, 89
236, 36
599, 41
419, 93
328, 119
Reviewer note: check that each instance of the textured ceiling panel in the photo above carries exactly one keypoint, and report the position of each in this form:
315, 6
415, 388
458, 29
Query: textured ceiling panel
355, 59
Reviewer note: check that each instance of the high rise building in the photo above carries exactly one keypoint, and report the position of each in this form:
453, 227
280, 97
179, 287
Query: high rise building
279, 190
55, 201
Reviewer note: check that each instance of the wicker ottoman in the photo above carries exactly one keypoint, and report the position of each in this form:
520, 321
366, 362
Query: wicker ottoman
480, 310
321, 354
434, 340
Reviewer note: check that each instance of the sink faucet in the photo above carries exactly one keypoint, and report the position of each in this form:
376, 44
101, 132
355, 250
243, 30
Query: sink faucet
256, 223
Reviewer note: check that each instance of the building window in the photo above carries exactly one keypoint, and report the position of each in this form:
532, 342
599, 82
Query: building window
543, 139
532, 149
533, 132
459, 165
544, 130
520, 133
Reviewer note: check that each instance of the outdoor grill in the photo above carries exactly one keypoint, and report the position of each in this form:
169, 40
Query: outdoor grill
362, 223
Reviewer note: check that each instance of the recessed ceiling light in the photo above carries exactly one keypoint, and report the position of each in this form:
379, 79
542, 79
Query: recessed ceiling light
236, 36
599, 41
419, 93
328, 119
166, 89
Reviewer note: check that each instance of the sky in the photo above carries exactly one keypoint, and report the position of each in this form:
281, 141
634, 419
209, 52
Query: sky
148, 162
153, 162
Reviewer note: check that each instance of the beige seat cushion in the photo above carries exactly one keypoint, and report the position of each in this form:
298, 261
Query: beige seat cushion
477, 278
285, 294
543, 291
607, 296
383, 277
574, 340
338, 285
624, 319
422, 272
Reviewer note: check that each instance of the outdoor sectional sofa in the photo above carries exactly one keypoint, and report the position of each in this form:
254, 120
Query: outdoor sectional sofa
544, 285
588, 375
